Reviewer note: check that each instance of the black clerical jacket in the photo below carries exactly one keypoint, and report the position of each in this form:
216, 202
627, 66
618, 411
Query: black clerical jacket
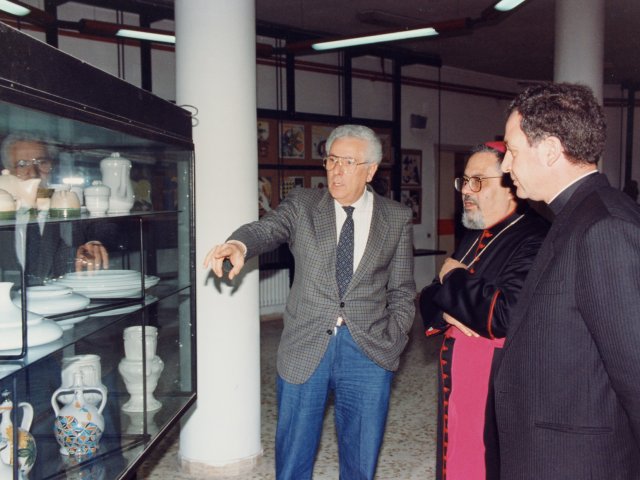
482, 295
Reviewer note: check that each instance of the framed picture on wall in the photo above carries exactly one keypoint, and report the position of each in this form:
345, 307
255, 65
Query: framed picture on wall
411, 168
411, 197
267, 141
385, 139
381, 182
292, 140
267, 190
317, 181
290, 182
319, 135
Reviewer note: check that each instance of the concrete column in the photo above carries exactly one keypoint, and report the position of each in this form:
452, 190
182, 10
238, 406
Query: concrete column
216, 73
579, 47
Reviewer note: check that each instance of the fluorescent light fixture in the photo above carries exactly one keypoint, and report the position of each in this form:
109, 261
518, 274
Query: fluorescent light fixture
506, 5
73, 180
382, 37
14, 8
141, 35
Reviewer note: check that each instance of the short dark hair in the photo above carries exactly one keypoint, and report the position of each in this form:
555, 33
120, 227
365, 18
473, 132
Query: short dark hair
484, 148
567, 111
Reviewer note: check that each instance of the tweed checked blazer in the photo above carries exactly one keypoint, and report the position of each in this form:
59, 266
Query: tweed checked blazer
567, 389
378, 305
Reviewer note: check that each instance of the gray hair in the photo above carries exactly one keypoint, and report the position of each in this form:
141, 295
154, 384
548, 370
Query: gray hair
374, 146
13, 138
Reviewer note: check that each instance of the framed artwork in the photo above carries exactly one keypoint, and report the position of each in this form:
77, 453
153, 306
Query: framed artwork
411, 197
289, 182
317, 181
319, 135
267, 141
292, 140
267, 190
381, 182
385, 139
411, 168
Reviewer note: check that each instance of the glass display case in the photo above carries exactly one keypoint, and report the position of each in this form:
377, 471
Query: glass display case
97, 314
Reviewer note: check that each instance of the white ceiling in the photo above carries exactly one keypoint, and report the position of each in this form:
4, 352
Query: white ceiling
519, 46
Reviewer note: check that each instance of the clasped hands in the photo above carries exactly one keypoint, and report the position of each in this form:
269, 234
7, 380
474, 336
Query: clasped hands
448, 265
217, 254
92, 256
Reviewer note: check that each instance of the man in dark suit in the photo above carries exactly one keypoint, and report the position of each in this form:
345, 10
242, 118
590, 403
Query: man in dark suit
471, 302
567, 391
349, 311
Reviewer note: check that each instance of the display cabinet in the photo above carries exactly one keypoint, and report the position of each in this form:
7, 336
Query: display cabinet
95, 364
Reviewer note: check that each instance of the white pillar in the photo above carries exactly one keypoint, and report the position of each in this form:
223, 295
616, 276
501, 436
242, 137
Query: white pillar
579, 44
216, 73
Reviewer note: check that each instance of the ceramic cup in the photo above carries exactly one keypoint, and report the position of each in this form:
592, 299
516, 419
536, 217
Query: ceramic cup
133, 342
63, 199
96, 198
78, 190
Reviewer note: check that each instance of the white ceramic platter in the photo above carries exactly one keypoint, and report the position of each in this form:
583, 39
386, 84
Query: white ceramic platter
55, 304
124, 287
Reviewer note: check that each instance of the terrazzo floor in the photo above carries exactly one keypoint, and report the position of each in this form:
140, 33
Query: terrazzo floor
408, 451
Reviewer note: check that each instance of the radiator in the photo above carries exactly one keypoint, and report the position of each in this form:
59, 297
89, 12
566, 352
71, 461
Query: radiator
274, 289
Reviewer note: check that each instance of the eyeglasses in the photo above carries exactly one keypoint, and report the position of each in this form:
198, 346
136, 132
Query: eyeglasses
348, 164
39, 163
475, 183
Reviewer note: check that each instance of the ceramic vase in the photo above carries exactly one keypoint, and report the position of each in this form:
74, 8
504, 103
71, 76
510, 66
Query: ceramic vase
79, 425
132, 368
116, 175
132, 373
89, 366
27, 444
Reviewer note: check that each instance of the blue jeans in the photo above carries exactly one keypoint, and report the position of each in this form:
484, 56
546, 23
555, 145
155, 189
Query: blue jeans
361, 389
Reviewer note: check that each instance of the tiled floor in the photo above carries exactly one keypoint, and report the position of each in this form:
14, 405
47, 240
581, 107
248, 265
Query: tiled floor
408, 451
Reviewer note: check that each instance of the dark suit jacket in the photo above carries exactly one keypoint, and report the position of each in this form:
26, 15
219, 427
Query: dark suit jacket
567, 390
378, 305
483, 296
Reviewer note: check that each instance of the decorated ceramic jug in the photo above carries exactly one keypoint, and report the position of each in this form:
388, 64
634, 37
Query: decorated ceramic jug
79, 425
27, 444
6, 471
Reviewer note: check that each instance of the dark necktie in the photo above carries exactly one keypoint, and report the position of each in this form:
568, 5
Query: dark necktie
344, 253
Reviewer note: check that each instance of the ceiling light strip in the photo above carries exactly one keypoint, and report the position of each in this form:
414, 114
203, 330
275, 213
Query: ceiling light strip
14, 8
506, 5
383, 37
141, 35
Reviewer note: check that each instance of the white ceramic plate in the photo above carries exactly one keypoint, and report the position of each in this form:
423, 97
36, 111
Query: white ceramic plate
114, 284
47, 291
122, 293
101, 276
54, 305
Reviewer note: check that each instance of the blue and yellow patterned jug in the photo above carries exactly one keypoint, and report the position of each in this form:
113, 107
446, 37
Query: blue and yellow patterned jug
79, 425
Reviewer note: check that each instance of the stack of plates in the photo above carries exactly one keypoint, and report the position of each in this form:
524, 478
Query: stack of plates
107, 283
54, 299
